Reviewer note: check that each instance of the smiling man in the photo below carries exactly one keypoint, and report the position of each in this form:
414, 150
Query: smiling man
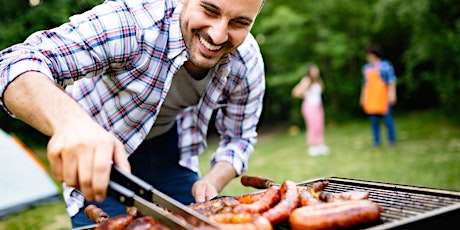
141, 80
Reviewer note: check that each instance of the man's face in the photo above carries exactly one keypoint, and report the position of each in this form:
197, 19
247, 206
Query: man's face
214, 28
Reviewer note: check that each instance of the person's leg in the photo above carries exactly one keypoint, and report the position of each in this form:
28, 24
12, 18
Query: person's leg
375, 120
389, 123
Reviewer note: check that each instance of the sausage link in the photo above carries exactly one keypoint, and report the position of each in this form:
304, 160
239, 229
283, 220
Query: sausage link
256, 182
241, 221
289, 201
116, 223
95, 214
306, 198
343, 214
269, 198
145, 223
351, 195
249, 198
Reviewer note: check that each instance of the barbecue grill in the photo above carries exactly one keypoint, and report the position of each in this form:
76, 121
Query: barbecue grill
404, 207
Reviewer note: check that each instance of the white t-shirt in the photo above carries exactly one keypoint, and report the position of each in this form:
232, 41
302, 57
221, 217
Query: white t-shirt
313, 94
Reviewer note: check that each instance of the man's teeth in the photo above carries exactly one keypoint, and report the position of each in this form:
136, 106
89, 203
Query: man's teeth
208, 45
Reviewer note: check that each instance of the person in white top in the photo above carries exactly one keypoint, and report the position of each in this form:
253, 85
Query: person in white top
310, 89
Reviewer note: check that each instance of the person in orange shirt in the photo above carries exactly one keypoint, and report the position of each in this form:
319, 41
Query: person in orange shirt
378, 93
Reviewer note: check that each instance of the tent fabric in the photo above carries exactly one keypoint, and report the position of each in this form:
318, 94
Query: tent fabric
24, 181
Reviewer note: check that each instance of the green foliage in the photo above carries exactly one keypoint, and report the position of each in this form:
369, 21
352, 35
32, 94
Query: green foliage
419, 37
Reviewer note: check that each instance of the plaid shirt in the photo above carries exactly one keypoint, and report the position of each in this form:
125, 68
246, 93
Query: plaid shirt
118, 59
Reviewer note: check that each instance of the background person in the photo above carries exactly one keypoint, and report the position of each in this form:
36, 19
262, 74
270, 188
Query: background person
378, 93
141, 81
310, 89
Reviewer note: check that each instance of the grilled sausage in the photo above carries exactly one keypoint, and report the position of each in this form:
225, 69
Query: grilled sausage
343, 214
306, 198
96, 214
289, 201
249, 198
241, 221
351, 195
256, 182
269, 198
145, 223
116, 223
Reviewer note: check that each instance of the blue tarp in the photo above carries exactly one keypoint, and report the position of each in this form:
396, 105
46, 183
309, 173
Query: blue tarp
24, 182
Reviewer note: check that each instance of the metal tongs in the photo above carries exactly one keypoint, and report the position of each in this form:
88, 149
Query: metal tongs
133, 191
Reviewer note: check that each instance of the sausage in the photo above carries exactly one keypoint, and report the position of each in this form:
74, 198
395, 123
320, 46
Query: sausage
315, 188
306, 198
343, 214
249, 198
116, 223
289, 201
241, 221
96, 214
269, 198
222, 205
256, 182
145, 223
351, 195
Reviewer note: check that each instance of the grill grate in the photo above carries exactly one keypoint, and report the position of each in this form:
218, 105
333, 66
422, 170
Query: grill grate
404, 207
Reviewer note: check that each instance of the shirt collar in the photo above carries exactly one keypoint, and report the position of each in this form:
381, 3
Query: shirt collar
176, 44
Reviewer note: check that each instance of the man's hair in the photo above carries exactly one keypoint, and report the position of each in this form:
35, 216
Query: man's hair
374, 49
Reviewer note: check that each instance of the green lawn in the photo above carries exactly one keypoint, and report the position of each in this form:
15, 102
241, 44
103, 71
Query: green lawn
427, 155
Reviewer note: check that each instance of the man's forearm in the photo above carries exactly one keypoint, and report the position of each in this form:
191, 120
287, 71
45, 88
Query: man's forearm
36, 100
220, 174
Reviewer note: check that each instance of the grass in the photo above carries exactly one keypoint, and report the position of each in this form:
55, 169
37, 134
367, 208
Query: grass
427, 155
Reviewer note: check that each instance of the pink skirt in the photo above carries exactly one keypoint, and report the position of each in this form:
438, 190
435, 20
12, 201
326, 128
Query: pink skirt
314, 120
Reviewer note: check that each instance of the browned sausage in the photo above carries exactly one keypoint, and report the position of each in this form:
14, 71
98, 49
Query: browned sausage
96, 214
351, 195
343, 214
249, 198
116, 223
289, 201
256, 182
145, 223
241, 221
306, 198
269, 198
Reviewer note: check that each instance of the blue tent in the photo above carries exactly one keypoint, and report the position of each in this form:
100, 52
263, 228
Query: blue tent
24, 181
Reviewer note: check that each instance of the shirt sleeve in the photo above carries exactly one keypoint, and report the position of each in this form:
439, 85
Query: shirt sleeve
387, 72
84, 47
237, 122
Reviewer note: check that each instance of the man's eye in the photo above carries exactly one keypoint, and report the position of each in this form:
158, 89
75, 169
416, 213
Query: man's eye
210, 11
241, 23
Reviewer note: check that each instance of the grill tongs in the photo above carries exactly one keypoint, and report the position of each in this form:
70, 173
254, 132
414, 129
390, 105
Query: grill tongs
133, 191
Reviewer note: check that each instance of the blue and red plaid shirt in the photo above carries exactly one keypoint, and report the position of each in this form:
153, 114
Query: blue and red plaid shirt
118, 60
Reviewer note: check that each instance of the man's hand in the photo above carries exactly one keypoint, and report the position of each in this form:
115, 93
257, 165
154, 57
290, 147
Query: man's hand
80, 151
212, 183
81, 156
203, 191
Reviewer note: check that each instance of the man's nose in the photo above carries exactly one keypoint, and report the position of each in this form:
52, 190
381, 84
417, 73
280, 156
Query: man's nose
219, 32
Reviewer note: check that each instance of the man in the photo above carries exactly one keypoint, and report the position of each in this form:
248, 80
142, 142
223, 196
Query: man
378, 93
143, 78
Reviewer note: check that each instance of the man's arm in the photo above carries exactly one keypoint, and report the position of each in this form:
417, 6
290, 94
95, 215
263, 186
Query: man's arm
212, 183
80, 151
